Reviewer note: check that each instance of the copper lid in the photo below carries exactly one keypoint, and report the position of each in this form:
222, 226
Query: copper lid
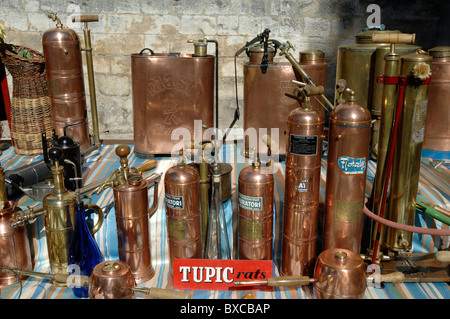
309, 56
439, 52
182, 174
253, 175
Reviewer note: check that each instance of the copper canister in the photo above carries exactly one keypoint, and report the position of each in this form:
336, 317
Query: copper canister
313, 63
255, 212
302, 185
170, 92
131, 202
436, 143
111, 280
14, 245
348, 149
339, 274
66, 83
416, 69
266, 105
182, 202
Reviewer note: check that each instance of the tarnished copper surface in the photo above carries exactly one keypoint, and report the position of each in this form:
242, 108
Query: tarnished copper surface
255, 209
111, 280
169, 92
437, 128
131, 203
301, 198
66, 83
313, 63
348, 149
182, 202
408, 152
266, 104
14, 245
339, 274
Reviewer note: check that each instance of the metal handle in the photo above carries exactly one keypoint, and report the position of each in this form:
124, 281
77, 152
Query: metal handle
162, 293
154, 178
100, 214
151, 51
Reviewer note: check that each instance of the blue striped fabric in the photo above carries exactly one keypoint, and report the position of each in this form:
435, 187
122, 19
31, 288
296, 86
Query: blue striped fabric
433, 188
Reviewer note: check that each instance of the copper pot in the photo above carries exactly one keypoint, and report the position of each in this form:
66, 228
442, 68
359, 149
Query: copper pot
339, 274
111, 280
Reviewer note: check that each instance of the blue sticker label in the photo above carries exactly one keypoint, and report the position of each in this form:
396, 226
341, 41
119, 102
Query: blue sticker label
250, 203
302, 187
174, 202
350, 165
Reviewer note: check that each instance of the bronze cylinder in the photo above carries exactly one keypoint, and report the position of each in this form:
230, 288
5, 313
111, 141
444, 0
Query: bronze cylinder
182, 202
408, 151
266, 106
66, 84
436, 143
132, 219
302, 185
339, 274
14, 245
169, 92
111, 280
313, 63
348, 149
255, 212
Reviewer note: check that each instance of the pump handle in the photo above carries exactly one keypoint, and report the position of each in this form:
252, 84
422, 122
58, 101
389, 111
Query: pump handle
400, 38
56, 154
123, 151
85, 18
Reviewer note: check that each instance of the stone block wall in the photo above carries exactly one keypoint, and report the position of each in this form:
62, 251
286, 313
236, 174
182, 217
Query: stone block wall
126, 27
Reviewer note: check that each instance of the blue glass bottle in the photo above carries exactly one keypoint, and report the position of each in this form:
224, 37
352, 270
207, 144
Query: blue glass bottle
83, 251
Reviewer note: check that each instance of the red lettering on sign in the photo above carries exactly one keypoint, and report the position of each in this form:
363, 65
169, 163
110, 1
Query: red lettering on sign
220, 274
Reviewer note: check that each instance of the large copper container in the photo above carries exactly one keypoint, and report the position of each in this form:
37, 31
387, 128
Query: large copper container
255, 215
436, 142
408, 151
66, 83
339, 274
348, 149
14, 245
170, 91
111, 280
301, 198
266, 105
182, 202
131, 203
313, 63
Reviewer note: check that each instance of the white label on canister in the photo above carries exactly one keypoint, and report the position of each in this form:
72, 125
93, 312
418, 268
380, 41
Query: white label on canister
250, 203
174, 202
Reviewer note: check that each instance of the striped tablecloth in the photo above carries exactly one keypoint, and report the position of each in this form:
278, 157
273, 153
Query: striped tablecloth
433, 187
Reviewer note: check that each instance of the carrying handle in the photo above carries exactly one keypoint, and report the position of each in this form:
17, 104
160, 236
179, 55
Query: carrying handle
151, 51
101, 217
154, 178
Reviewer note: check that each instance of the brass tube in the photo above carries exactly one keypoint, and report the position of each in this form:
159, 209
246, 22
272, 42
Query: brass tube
204, 201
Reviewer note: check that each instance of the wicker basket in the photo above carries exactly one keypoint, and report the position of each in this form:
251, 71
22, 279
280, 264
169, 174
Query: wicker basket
31, 111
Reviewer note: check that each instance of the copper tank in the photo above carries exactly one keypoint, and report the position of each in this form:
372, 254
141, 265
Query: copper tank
170, 91
111, 280
436, 142
339, 274
416, 69
348, 149
302, 184
132, 219
313, 63
66, 83
255, 214
182, 202
266, 105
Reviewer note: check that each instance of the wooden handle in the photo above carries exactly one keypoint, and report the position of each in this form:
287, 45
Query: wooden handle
288, 281
443, 256
163, 293
400, 38
395, 277
148, 165
85, 18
